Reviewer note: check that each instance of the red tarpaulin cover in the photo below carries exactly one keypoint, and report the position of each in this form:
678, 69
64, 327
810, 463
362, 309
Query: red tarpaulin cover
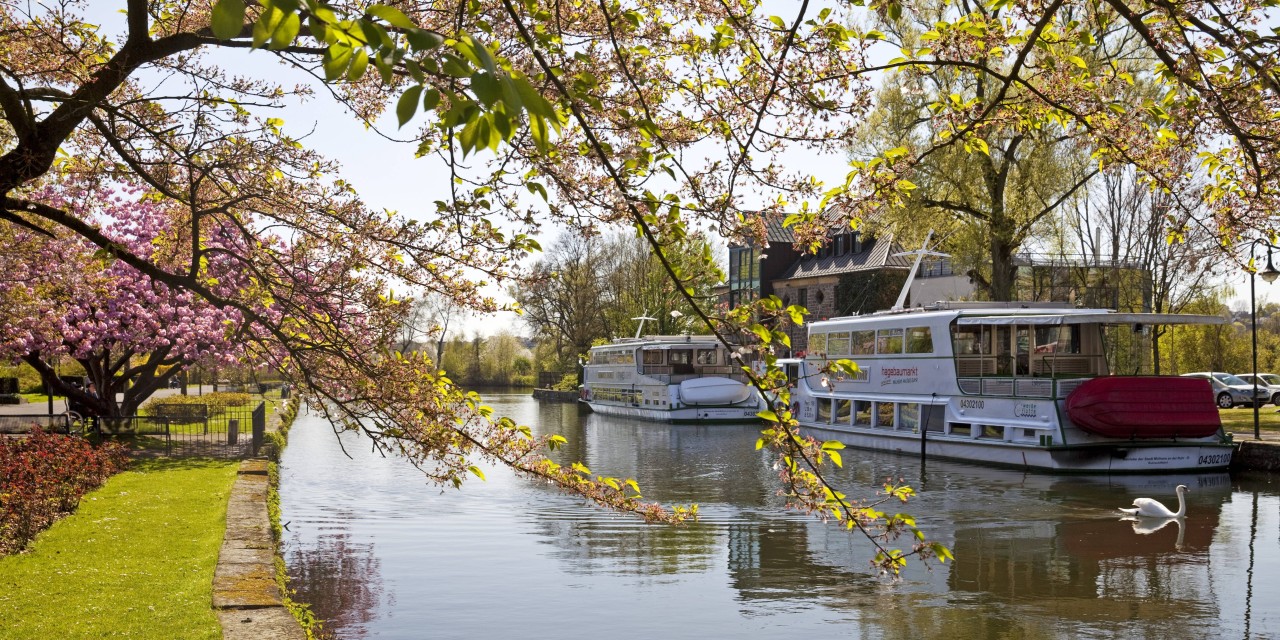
1145, 407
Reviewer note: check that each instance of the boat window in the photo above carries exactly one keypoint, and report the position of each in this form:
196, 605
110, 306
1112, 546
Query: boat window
824, 410
967, 341
817, 345
862, 413
864, 342
884, 415
680, 356
1061, 339
838, 344
992, 432
919, 340
961, 429
909, 415
889, 341
843, 411
706, 356
653, 356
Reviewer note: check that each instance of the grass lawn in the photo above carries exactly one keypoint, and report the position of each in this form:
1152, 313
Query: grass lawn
136, 560
1240, 420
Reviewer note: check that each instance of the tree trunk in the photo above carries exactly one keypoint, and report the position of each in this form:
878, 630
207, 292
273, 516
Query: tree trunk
1003, 271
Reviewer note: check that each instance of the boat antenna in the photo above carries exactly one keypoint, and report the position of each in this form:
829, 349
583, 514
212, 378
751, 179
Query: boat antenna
641, 326
915, 268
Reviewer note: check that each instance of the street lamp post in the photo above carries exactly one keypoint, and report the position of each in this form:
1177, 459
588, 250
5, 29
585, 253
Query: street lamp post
1269, 274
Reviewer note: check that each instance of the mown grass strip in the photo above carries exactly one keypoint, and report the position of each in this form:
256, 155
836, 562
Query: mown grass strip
135, 561
1240, 420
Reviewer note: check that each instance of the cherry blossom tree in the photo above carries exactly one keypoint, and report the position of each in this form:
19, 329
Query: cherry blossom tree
130, 332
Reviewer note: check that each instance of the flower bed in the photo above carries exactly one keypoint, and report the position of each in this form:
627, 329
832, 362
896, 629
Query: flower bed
43, 477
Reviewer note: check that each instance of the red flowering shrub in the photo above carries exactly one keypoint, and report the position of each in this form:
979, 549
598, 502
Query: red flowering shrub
43, 477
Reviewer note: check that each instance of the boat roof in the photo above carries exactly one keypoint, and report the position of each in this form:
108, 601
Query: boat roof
663, 342
1027, 313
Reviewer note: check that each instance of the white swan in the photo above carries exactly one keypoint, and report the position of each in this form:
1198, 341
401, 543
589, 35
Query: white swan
1153, 509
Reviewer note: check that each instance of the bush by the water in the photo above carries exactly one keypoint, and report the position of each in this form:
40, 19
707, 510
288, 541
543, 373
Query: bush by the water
43, 477
218, 402
568, 383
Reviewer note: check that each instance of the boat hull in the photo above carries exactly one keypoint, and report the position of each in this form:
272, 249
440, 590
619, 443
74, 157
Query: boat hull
1147, 457
692, 415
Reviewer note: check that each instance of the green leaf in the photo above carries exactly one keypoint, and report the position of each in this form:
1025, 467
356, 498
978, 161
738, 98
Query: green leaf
430, 100
423, 40
391, 16
768, 416
228, 18
1078, 61
476, 470
407, 105
359, 63
335, 61
286, 31
761, 332
486, 88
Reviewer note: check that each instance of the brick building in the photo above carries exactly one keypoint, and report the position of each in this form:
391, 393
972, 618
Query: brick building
853, 274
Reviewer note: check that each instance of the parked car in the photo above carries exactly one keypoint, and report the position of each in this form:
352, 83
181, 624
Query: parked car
1230, 391
1268, 381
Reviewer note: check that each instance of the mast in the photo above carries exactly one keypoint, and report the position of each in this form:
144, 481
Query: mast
919, 254
641, 326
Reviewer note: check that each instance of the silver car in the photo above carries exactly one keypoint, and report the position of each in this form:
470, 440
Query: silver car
1268, 381
1229, 391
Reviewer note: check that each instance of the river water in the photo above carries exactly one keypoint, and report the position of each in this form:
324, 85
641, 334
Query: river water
379, 553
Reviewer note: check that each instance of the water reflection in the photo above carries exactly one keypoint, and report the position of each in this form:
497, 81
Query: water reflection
1037, 556
341, 578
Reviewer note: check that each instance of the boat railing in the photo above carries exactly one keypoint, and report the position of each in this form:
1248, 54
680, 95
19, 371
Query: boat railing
1021, 387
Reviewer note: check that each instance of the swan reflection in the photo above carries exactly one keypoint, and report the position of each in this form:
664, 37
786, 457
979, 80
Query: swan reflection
1147, 525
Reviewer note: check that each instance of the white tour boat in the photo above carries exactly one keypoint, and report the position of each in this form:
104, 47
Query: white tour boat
669, 379
1012, 384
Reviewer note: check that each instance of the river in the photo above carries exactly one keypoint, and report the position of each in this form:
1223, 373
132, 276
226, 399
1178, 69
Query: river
379, 553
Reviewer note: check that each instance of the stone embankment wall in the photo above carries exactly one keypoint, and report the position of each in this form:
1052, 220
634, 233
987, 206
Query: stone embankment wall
1257, 455
246, 583
245, 593
551, 395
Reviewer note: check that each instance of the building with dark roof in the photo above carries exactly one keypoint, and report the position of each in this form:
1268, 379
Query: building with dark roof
852, 274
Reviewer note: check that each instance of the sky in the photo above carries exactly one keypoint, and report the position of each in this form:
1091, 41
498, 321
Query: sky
388, 176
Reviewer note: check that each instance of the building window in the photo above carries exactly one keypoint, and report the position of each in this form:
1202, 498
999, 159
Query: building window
744, 275
802, 297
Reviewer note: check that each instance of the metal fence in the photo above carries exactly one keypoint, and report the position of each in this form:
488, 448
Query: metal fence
200, 431
23, 424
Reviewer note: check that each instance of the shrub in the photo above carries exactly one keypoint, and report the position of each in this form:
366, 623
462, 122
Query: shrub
568, 383
218, 402
43, 477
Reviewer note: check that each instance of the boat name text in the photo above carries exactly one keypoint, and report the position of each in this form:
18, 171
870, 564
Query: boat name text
973, 404
898, 375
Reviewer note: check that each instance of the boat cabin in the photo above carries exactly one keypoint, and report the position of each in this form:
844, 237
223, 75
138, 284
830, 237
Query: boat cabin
668, 359
1035, 352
